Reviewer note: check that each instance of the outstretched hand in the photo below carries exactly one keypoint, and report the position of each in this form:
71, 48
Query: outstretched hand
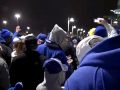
100, 21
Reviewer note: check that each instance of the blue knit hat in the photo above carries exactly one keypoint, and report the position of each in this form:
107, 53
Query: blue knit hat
42, 36
101, 31
5, 33
52, 65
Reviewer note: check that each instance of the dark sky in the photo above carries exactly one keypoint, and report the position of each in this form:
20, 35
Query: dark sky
41, 15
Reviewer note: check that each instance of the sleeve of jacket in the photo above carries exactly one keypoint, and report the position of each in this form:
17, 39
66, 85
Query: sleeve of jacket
16, 34
111, 30
4, 76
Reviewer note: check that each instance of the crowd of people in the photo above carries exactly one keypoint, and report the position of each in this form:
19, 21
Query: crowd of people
60, 61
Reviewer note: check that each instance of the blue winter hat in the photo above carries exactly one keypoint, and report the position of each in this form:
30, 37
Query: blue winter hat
42, 36
52, 65
101, 31
5, 33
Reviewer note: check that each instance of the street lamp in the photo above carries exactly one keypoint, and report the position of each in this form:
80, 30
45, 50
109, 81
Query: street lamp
70, 20
28, 28
81, 29
73, 27
115, 22
78, 31
4, 22
17, 15
84, 31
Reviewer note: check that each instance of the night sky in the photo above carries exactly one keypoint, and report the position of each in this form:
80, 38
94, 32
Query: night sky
41, 15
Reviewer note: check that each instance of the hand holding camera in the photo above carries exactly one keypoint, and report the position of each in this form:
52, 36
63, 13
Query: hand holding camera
100, 21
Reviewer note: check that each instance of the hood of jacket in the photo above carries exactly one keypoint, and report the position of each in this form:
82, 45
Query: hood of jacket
104, 55
87, 44
57, 35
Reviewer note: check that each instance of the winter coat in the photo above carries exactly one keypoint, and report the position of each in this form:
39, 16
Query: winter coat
52, 47
54, 73
99, 69
4, 75
27, 68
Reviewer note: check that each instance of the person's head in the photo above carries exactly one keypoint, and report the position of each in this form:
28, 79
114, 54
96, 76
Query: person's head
101, 31
6, 35
91, 31
20, 30
31, 43
18, 44
41, 38
57, 35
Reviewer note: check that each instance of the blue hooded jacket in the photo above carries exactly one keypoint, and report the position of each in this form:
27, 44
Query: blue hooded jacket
99, 69
51, 48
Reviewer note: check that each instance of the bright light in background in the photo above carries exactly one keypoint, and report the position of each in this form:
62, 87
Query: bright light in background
4, 22
28, 28
74, 26
78, 29
71, 20
81, 29
115, 22
17, 15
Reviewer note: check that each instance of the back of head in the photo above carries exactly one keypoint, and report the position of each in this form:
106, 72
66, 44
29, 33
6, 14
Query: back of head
18, 44
101, 31
52, 65
91, 31
87, 44
6, 35
41, 37
31, 42
57, 34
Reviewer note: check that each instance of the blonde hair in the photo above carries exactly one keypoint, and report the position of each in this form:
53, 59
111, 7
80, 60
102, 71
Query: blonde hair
91, 31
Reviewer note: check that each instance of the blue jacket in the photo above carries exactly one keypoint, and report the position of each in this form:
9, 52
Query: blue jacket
52, 50
99, 69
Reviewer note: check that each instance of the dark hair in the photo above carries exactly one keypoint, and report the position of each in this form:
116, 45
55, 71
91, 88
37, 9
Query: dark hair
31, 42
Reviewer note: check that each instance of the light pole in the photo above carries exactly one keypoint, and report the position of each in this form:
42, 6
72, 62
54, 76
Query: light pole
17, 16
70, 20
78, 31
73, 27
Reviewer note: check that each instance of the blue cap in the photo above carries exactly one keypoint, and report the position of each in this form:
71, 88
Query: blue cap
42, 36
101, 31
